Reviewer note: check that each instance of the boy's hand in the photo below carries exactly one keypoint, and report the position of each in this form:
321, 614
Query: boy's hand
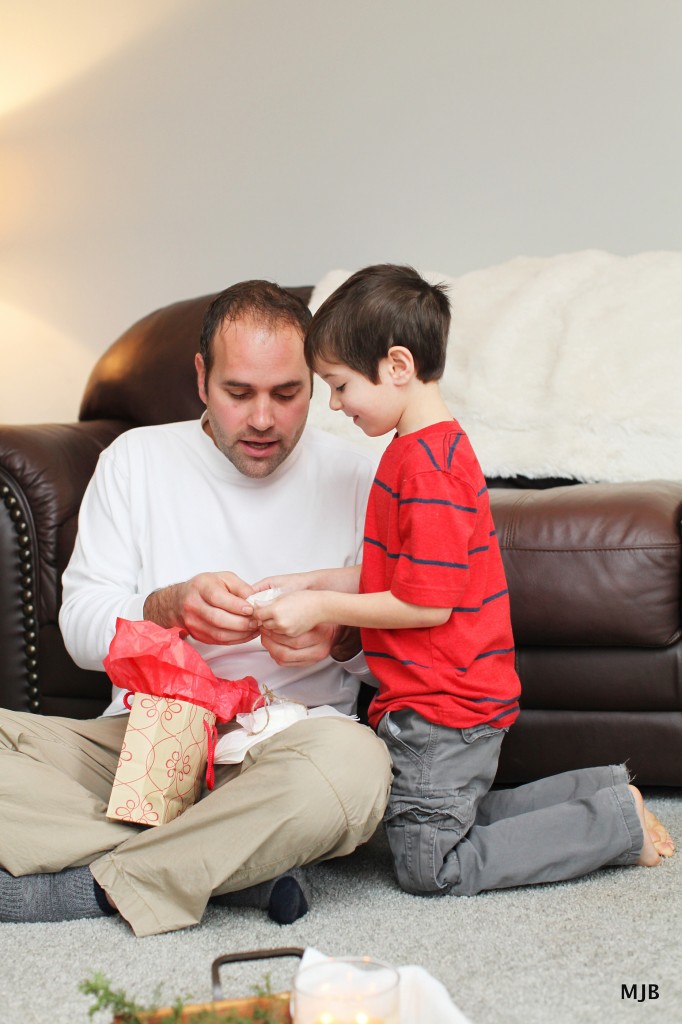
287, 581
290, 614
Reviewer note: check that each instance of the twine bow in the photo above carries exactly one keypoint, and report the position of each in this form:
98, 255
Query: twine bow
265, 700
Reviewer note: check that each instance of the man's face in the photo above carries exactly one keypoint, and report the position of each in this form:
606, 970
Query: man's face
257, 394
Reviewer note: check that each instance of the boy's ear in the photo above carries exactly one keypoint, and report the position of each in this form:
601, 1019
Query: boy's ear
400, 364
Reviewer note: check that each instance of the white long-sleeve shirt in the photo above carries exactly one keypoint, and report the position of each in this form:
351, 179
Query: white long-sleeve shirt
165, 504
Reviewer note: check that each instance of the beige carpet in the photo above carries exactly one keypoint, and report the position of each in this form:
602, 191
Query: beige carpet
554, 954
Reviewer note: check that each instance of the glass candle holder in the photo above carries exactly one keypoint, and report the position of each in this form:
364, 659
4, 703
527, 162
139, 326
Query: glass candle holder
347, 990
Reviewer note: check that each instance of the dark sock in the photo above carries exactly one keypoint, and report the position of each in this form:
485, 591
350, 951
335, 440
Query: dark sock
286, 898
102, 901
287, 901
62, 896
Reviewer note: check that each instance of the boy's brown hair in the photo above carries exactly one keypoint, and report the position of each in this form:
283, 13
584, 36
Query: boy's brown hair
381, 306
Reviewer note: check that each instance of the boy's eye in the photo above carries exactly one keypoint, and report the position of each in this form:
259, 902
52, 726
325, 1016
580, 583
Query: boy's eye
340, 388
285, 398
238, 395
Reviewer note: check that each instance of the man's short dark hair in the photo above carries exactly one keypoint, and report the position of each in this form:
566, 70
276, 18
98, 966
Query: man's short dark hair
262, 301
376, 308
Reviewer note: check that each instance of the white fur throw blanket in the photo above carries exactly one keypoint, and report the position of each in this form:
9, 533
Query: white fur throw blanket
569, 366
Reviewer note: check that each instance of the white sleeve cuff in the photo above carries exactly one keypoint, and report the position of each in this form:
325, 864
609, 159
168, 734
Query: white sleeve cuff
357, 666
133, 608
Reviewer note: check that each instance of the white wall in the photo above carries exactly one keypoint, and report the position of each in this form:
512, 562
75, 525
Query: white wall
154, 151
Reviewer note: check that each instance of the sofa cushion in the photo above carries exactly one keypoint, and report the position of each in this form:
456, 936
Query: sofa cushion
593, 565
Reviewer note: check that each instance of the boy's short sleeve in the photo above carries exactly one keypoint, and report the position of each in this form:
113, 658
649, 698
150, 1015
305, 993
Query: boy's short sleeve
437, 520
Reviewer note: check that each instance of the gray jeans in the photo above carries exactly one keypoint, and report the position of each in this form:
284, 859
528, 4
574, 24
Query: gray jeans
448, 833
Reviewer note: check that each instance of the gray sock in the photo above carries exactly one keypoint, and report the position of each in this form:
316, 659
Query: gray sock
63, 896
286, 898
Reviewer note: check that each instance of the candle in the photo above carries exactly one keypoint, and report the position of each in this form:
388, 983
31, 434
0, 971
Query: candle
346, 991
359, 1018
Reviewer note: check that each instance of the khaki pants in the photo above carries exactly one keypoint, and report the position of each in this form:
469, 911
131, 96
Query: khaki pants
312, 792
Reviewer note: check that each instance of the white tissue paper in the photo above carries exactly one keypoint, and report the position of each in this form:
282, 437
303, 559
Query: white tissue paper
259, 725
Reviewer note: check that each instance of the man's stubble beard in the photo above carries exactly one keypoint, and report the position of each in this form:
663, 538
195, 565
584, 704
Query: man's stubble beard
246, 464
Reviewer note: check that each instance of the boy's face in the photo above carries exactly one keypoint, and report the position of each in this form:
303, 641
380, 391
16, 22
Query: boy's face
375, 408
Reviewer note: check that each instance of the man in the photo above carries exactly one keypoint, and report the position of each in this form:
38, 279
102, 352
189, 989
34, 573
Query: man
250, 492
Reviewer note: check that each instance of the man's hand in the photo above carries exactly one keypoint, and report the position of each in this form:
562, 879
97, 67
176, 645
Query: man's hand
210, 607
347, 643
306, 649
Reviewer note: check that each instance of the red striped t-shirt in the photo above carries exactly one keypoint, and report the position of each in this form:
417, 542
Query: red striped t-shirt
430, 540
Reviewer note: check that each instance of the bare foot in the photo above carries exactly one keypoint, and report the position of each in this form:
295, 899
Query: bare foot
649, 856
660, 837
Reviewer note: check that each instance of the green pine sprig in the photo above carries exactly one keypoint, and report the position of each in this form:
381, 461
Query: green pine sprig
127, 1011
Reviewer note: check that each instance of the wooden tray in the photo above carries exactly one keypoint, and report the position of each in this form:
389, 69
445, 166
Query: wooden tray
276, 1004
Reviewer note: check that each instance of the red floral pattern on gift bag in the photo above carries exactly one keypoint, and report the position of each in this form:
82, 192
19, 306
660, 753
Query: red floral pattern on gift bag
171, 731
162, 762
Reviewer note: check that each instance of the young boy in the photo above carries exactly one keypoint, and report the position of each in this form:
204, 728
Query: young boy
432, 604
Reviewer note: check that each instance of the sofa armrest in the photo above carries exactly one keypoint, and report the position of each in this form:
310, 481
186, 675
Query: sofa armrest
44, 471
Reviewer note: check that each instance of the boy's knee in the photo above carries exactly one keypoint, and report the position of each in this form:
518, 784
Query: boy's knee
413, 860
422, 833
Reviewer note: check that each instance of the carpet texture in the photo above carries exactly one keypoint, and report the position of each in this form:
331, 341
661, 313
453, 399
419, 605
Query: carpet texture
555, 953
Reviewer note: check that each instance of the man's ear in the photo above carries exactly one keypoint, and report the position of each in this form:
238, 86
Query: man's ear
400, 364
201, 377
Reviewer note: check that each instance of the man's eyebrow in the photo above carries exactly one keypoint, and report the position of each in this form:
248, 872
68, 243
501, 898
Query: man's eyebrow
276, 387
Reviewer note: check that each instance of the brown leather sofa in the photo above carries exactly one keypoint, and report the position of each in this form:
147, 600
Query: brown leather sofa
594, 574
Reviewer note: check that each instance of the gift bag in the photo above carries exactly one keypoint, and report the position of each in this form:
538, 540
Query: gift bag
169, 741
